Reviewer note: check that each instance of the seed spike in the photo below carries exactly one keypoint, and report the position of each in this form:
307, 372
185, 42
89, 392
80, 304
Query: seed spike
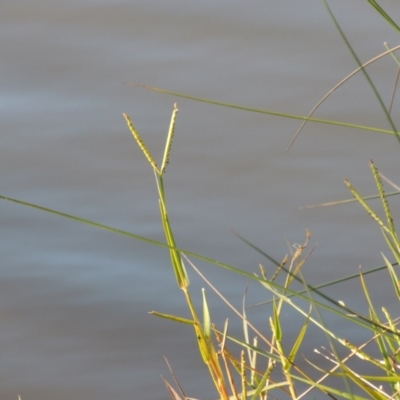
140, 142
170, 137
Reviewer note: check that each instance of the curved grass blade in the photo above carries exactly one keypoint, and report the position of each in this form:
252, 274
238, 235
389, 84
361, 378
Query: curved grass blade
338, 85
340, 202
170, 137
370, 82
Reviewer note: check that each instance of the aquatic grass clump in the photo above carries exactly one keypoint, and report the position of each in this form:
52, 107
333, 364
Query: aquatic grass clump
264, 363
253, 373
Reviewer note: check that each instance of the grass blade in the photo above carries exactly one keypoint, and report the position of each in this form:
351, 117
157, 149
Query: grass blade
370, 82
393, 276
267, 112
384, 14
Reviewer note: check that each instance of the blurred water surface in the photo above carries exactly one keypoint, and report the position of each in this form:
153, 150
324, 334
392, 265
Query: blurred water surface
74, 300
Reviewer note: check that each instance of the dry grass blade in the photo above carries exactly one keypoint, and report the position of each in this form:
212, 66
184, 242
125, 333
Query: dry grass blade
174, 394
174, 377
394, 91
337, 86
225, 353
347, 201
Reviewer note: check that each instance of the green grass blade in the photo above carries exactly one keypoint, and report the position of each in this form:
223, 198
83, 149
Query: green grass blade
172, 318
384, 14
388, 368
142, 238
394, 247
394, 344
370, 82
268, 112
276, 325
311, 288
87, 222
362, 321
299, 339
362, 383
261, 386
321, 286
331, 390
177, 263
373, 312
347, 201
393, 276
259, 350
334, 282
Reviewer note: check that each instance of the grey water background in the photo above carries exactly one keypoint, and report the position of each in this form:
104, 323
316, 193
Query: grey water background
74, 300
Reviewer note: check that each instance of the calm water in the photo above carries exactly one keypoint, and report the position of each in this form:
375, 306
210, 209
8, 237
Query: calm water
74, 300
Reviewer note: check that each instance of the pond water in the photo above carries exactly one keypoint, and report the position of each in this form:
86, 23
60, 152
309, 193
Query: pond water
74, 299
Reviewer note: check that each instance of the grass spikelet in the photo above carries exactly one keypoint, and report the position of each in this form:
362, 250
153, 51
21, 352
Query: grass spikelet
384, 200
141, 143
369, 210
170, 137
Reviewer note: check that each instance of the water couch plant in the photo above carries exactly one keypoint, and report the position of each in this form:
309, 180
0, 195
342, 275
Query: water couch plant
241, 376
263, 365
